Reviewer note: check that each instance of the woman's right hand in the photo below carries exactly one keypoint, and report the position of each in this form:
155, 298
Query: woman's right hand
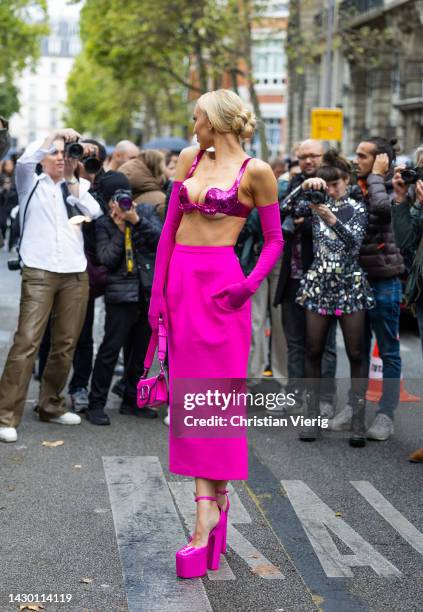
157, 308
315, 184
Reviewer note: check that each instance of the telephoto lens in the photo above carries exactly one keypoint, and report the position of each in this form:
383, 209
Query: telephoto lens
92, 165
74, 150
124, 198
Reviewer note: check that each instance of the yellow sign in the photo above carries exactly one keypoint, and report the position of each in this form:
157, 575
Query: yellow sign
327, 123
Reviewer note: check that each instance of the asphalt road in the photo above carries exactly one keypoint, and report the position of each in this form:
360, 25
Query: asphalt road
316, 527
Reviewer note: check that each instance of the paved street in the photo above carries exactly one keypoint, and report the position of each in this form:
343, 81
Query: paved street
316, 527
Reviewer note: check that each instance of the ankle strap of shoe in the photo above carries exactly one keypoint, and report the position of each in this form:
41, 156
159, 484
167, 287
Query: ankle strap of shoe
222, 491
205, 497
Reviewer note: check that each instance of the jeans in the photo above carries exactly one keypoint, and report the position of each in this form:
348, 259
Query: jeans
294, 325
124, 321
383, 321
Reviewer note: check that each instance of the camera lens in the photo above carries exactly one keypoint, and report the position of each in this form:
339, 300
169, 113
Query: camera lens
92, 165
409, 176
74, 150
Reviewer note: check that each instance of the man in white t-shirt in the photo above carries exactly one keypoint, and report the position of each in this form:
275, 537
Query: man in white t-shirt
54, 279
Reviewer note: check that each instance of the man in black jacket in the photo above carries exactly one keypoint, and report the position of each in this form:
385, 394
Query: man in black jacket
126, 242
297, 258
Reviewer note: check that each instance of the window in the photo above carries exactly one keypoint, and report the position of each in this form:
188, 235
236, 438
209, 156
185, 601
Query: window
269, 62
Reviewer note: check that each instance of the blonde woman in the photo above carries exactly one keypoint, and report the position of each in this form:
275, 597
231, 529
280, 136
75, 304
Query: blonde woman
204, 297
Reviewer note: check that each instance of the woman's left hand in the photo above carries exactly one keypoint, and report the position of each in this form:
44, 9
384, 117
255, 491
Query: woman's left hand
131, 215
324, 213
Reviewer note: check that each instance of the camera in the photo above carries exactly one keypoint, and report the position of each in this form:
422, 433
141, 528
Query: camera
14, 264
124, 198
75, 150
411, 176
315, 196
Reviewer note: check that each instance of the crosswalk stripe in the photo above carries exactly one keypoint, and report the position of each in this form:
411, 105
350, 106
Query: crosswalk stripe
148, 532
390, 514
317, 519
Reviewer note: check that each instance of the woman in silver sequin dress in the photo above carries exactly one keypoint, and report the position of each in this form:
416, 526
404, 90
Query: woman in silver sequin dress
335, 285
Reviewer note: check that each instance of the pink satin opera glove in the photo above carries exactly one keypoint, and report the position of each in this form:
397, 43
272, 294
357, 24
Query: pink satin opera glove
238, 293
164, 252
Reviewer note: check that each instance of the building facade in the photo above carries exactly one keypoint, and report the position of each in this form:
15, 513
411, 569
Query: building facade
43, 88
376, 64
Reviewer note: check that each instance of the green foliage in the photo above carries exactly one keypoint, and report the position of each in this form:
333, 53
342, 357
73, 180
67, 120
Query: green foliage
20, 36
139, 59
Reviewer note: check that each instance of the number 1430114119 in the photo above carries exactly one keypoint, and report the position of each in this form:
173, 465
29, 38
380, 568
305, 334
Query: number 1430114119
40, 597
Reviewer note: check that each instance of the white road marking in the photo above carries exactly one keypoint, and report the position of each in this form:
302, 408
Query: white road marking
183, 493
149, 532
390, 514
317, 518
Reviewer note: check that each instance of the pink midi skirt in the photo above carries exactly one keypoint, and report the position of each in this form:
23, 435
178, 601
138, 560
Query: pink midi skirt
206, 339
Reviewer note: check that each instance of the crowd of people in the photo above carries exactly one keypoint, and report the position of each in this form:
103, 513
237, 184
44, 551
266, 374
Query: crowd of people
353, 237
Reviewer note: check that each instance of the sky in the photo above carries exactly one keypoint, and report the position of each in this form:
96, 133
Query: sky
61, 8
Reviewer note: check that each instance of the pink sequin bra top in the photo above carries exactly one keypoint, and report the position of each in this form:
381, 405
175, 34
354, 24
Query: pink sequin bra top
216, 200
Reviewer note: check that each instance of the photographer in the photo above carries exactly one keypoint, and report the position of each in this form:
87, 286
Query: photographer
335, 287
407, 218
127, 239
54, 279
381, 259
297, 258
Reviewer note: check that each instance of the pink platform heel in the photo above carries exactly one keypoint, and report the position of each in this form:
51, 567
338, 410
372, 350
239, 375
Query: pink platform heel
194, 562
225, 513
225, 528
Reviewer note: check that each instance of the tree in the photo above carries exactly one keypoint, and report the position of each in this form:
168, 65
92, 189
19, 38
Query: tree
22, 24
171, 52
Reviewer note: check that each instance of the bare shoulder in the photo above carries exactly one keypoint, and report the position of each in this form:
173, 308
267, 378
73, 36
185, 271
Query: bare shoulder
263, 183
260, 170
185, 161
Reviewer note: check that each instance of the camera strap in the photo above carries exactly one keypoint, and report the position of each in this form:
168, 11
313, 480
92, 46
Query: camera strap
129, 253
26, 209
71, 210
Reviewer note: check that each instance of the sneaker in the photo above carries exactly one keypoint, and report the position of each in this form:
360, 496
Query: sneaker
342, 421
381, 429
79, 400
417, 456
327, 410
69, 418
8, 434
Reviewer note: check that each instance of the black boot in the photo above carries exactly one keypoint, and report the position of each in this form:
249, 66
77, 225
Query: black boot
310, 433
358, 422
97, 416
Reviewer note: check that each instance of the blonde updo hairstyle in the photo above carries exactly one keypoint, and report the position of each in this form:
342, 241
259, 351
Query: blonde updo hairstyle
227, 113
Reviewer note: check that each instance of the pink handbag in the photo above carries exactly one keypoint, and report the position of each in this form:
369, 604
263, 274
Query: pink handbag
153, 391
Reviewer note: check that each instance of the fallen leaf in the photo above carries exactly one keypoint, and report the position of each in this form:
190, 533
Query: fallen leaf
265, 569
34, 607
338, 514
77, 467
254, 556
86, 580
53, 444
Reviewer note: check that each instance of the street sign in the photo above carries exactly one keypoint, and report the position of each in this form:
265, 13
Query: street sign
327, 123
